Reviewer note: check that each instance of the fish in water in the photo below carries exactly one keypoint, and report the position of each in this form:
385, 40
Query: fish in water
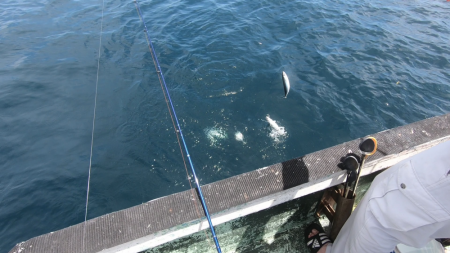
239, 136
277, 132
273, 124
286, 84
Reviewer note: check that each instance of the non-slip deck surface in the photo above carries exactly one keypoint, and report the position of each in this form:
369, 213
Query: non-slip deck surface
136, 222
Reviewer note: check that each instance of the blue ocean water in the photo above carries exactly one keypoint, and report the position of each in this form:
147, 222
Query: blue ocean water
355, 67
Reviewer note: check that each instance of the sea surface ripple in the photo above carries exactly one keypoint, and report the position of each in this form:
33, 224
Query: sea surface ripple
355, 68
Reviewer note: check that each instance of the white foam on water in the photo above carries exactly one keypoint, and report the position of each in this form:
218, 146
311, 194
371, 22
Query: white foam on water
277, 132
215, 134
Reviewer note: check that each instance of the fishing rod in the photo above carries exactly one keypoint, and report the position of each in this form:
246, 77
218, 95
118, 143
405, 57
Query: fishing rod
161, 78
367, 147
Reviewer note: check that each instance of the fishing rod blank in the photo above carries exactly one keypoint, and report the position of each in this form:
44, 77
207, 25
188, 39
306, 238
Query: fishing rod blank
367, 147
161, 78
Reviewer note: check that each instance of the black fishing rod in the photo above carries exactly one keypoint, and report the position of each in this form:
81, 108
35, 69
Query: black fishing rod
161, 78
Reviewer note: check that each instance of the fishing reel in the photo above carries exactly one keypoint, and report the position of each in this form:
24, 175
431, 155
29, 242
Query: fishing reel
353, 163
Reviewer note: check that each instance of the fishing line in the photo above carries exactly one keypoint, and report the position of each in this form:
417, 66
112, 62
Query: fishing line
177, 127
93, 119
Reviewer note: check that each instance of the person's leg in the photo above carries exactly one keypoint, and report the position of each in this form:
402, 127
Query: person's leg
323, 249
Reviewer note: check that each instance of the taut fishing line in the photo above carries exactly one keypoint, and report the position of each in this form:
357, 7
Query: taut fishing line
177, 127
93, 122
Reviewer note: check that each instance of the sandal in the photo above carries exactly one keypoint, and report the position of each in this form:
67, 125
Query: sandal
316, 241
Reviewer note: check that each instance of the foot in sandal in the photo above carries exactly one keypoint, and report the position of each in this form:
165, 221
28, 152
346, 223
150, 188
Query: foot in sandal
315, 238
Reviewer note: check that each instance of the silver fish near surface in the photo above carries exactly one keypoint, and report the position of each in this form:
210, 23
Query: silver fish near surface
286, 84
